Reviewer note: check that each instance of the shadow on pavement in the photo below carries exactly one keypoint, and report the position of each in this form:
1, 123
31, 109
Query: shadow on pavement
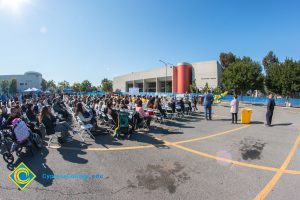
148, 139
177, 125
282, 124
256, 122
72, 155
164, 130
107, 139
37, 164
224, 120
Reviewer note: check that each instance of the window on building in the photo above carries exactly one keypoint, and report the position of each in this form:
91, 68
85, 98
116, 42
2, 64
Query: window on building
21, 83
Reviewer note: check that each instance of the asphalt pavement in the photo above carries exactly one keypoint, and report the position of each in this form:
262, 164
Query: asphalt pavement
188, 158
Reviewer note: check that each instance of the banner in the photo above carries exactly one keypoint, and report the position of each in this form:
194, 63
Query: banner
134, 91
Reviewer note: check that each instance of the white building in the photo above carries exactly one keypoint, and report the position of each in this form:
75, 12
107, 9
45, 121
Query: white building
177, 78
28, 80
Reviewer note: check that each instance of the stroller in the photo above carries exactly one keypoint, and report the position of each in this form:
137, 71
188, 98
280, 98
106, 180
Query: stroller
20, 137
123, 129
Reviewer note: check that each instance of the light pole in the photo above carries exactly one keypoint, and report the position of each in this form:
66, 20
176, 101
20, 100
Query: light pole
166, 64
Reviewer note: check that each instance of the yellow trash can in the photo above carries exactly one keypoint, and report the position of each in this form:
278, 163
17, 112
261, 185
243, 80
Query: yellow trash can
246, 116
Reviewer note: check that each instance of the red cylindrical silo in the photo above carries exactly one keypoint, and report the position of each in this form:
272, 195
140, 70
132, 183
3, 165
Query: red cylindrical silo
184, 75
174, 82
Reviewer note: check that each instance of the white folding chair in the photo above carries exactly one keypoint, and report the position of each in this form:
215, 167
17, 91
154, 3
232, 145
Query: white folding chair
86, 129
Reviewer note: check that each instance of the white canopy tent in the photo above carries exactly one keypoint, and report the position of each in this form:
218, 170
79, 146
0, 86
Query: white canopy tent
32, 90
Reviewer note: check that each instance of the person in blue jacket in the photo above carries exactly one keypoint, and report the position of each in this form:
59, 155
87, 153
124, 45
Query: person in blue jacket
207, 103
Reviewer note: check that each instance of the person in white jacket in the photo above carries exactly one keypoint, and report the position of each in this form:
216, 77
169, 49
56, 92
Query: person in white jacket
234, 109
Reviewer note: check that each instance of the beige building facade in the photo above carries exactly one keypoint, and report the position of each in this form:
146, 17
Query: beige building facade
27, 80
176, 78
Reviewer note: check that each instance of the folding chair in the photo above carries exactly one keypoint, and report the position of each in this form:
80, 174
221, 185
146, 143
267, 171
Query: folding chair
51, 137
86, 129
157, 116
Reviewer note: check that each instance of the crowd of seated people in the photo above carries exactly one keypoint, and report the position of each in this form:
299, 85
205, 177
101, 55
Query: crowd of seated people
110, 105
35, 112
54, 111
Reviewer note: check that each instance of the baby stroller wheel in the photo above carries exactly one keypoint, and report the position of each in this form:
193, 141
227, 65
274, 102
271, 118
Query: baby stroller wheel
8, 157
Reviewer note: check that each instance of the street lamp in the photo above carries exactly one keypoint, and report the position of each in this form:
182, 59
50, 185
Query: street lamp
166, 64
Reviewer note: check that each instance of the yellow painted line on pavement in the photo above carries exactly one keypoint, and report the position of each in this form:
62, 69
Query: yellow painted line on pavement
225, 159
294, 172
210, 136
145, 146
243, 164
267, 189
175, 144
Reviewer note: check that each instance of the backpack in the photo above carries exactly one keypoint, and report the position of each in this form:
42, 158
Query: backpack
20, 130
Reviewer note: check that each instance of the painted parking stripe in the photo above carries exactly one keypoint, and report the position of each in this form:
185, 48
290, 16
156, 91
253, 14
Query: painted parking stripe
175, 144
210, 136
267, 189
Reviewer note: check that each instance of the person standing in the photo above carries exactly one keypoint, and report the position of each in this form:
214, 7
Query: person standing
195, 101
270, 109
208, 101
234, 109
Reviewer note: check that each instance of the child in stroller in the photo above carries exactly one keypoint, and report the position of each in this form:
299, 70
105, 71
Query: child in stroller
20, 137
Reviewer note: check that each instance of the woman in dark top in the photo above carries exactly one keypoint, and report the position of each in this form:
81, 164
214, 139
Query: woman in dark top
52, 125
181, 104
157, 105
195, 101
112, 112
13, 115
48, 119
30, 114
4, 115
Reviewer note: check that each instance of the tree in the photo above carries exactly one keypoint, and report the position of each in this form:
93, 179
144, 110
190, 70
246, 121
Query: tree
193, 87
94, 88
118, 91
106, 85
283, 78
227, 58
62, 85
218, 90
5, 86
206, 88
76, 87
86, 86
44, 85
290, 79
51, 85
269, 59
13, 86
243, 75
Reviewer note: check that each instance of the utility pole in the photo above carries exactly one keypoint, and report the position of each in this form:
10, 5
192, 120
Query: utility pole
166, 64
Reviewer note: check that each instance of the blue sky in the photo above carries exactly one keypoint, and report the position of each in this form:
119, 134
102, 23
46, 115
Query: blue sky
75, 40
